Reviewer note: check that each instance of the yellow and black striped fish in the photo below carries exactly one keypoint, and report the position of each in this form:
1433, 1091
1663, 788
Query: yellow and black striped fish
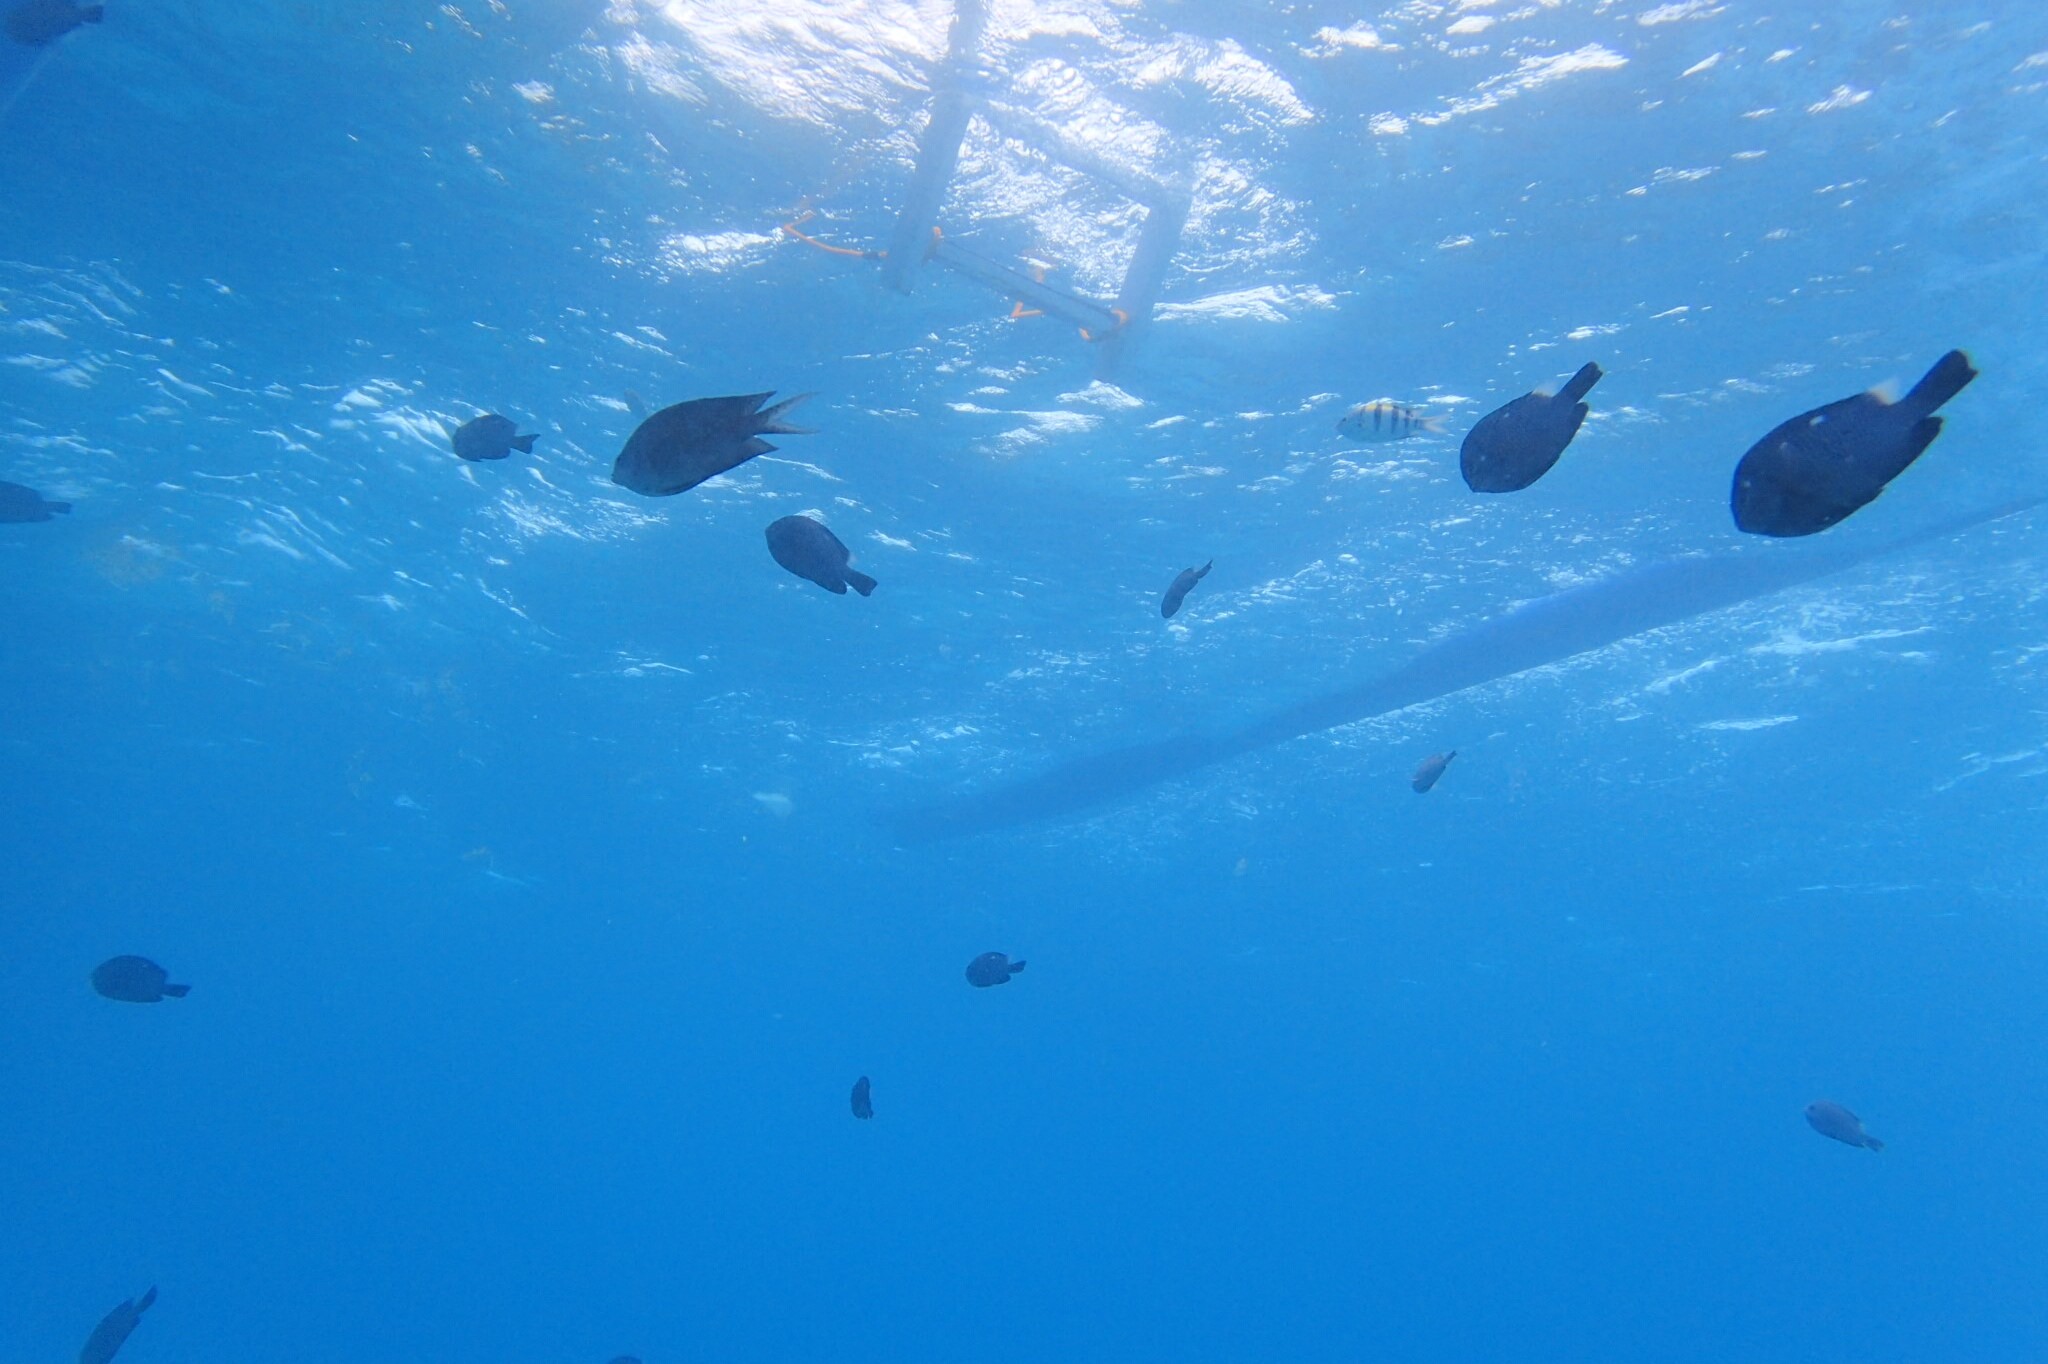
1385, 419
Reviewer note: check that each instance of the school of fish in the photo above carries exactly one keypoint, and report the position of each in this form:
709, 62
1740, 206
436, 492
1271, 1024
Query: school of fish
1805, 475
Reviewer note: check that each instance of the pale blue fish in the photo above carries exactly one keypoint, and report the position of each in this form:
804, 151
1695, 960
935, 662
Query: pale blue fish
1383, 420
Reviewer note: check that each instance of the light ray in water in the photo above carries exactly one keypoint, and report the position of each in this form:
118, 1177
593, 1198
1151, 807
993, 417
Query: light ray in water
1548, 630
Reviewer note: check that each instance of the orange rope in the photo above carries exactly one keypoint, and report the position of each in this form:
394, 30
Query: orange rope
1017, 310
791, 229
1123, 319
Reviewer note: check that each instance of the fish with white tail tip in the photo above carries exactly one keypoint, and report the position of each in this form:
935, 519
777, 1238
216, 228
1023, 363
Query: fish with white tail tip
1383, 419
1822, 466
1516, 444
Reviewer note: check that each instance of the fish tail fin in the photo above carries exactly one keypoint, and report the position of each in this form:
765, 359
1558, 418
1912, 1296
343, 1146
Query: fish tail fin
1432, 425
1873, 1143
177, 991
524, 444
142, 1304
1589, 374
61, 508
1015, 967
1941, 383
771, 421
860, 582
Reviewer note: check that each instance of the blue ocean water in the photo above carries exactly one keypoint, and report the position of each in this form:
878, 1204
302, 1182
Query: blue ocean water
537, 853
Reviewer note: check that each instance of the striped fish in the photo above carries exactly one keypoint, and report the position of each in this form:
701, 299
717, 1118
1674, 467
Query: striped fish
1385, 420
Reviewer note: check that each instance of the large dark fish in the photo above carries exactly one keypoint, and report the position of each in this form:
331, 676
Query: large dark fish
20, 505
1430, 769
991, 968
490, 437
679, 447
1515, 445
38, 23
1183, 584
863, 1103
1540, 632
1813, 471
107, 1337
1833, 1120
135, 980
808, 548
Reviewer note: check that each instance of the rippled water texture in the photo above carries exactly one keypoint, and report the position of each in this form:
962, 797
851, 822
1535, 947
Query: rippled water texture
547, 863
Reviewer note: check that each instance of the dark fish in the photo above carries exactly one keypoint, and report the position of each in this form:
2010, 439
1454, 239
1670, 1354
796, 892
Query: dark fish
490, 437
991, 968
19, 504
1515, 445
38, 23
1833, 1120
107, 1337
679, 447
135, 980
1816, 469
863, 1105
1182, 585
1430, 769
807, 548
636, 405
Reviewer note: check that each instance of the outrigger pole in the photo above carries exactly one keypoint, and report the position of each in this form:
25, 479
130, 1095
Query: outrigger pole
916, 237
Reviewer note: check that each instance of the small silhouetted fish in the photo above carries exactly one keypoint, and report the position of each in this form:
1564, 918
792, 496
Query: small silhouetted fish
107, 1337
135, 980
635, 404
1833, 1120
991, 968
1430, 769
679, 447
490, 437
863, 1104
1385, 420
38, 23
19, 504
1515, 445
1814, 470
808, 548
1183, 584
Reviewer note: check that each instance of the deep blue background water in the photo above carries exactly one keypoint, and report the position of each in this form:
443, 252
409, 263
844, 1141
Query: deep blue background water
522, 1029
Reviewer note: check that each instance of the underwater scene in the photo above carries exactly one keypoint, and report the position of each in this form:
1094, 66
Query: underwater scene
1023, 680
